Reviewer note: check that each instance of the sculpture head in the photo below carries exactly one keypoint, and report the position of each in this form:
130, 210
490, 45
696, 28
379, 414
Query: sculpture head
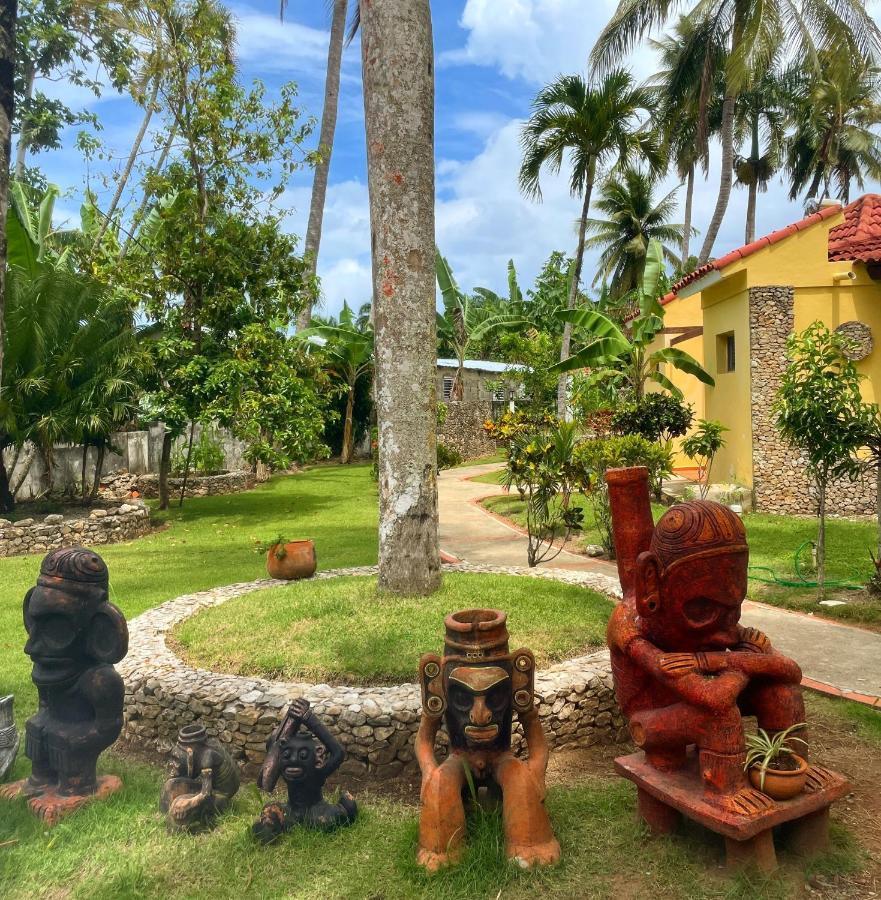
477, 685
300, 759
184, 761
71, 625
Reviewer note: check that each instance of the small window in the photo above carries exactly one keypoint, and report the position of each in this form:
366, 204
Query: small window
726, 353
448, 386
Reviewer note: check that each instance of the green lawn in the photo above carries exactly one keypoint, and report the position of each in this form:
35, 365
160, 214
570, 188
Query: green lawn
344, 629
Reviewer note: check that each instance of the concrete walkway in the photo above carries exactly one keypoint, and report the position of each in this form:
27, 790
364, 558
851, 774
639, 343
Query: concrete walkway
837, 659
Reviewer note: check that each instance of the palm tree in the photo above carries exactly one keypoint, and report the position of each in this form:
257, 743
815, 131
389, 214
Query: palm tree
633, 219
684, 55
8, 14
760, 115
349, 348
754, 33
594, 126
325, 140
397, 63
835, 137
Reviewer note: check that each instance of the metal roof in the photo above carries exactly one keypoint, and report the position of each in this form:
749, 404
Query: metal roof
479, 365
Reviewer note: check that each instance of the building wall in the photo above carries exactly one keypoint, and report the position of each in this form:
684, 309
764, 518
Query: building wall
474, 383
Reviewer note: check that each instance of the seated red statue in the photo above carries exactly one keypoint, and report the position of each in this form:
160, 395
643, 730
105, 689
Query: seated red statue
685, 670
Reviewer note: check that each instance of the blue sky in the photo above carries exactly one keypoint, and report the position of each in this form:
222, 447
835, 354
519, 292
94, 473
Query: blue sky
492, 57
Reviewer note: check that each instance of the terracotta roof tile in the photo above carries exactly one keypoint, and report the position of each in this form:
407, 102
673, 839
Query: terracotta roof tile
858, 237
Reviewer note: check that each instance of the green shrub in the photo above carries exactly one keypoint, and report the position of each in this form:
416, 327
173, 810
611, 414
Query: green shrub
207, 457
702, 446
656, 417
447, 457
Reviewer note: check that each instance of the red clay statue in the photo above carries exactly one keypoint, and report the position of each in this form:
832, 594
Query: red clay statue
475, 688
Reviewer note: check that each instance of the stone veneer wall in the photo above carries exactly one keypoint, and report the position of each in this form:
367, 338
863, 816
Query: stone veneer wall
100, 526
121, 485
376, 725
463, 428
780, 483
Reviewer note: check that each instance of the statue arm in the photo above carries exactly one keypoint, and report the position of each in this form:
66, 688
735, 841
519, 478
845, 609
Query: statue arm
336, 754
104, 689
536, 741
425, 737
766, 664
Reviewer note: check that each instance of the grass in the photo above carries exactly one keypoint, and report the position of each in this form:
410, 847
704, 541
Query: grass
210, 542
344, 629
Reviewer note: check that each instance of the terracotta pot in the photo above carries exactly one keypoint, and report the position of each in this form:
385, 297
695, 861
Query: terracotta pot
298, 561
780, 785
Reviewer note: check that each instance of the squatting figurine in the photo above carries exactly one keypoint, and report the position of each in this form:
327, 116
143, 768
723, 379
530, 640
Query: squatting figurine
475, 688
296, 757
74, 637
203, 780
9, 739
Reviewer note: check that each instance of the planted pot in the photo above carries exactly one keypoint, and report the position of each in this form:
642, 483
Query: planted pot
781, 784
294, 559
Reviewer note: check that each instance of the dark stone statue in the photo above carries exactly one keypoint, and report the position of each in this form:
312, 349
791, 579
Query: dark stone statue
203, 780
74, 637
305, 765
9, 739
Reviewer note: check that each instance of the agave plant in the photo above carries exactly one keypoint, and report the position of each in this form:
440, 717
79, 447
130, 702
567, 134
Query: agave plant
762, 749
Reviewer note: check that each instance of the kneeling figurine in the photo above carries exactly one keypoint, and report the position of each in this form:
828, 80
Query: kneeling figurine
295, 756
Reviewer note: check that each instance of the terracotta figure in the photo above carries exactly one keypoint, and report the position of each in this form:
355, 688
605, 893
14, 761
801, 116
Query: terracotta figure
203, 780
685, 670
74, 637
305, 765
474, 689
9, 739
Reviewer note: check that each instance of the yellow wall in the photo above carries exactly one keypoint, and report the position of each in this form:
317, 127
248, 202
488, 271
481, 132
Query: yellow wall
800, 261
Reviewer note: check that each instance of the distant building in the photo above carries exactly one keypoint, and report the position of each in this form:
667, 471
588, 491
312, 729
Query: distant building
483, 380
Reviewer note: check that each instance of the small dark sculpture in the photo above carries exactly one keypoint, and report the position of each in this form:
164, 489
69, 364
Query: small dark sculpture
475, 688
74, 637
297, 758
9, 739
203, 781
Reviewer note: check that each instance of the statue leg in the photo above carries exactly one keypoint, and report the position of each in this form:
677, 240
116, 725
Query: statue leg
442, 818
529, 838
327, 816
43, 773
273, 822
77, 774
776, 707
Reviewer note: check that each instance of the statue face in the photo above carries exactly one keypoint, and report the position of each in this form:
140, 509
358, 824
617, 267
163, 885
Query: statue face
299, 759
700, 604
479, 707
56, 624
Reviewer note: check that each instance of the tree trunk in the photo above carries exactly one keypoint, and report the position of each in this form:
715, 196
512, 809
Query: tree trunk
689, 210
821, 542
21, 148
8, 14
7, 500
99, 466
130, 162
563, 382
727, 138
18, 480
183, 484
85, 460
398, 76
346, 452
755, 160
878, 503
164, 467
325, 146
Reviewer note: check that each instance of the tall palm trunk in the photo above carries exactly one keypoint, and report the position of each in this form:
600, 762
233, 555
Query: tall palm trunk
21, 148
755, 159
689, 213
726, 180
348, 427
8, 14
99, 468
325, 146
398, 75
164, 469
563, 382
129, 165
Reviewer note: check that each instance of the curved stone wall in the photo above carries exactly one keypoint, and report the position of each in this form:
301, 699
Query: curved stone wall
377, 725
120, 485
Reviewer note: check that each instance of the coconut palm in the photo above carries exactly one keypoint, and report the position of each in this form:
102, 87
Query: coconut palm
835, 139
633, 218
594, 126
755, 33
761, 120
683, 55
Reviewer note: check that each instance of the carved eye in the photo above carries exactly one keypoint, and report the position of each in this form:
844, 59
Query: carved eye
287, 753
304, 753
497, 698
56, 631
461, 700
701, 612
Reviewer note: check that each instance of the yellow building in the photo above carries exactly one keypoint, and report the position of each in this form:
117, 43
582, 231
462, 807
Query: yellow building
734, 315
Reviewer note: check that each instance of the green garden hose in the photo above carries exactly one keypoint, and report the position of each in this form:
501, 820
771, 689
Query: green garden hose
770, 577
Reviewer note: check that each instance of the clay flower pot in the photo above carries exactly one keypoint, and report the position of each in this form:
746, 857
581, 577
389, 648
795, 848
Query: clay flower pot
297, 560
781, 784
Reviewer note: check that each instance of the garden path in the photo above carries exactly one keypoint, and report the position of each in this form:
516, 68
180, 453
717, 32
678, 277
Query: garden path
835, 658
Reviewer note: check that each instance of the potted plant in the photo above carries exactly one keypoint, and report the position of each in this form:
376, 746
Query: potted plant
773, 766
289, 560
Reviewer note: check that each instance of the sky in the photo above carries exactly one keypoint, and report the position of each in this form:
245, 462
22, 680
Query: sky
492, 58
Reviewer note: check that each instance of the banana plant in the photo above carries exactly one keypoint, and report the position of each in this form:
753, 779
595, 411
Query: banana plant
610, 354
33, 245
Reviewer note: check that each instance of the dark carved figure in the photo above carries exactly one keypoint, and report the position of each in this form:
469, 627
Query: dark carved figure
687, 672
74, 637
475, 688
9, 739
305, 764
203, 781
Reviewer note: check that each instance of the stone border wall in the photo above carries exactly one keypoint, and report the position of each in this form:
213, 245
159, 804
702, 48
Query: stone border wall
121, 485
463, 428
100, 526
376, 725
780, 484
